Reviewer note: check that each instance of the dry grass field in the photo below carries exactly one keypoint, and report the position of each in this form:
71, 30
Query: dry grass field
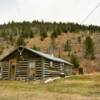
85, 87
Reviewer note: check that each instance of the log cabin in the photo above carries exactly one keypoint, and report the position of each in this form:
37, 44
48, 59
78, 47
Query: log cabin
26, 63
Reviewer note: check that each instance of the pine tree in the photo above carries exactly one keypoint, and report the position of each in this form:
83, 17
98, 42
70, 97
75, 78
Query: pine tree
79, 39
89, 48
74, 60
54, 35
67, 46
20, 41
43, 35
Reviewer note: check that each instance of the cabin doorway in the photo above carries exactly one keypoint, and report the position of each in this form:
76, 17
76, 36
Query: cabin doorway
12, 72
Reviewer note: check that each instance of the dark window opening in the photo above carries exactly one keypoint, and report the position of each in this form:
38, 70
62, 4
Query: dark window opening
13, 66
81, 71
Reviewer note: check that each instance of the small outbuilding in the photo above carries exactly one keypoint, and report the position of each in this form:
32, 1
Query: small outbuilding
26, 63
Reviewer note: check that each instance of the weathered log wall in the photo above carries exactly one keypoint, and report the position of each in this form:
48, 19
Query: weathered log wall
21, 69
51, 71
38, 68
67, 69
5, 70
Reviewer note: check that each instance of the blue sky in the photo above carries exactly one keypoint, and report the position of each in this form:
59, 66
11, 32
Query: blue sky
49, 10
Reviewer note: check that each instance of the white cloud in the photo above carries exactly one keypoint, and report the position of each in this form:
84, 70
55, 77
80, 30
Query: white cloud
49, 10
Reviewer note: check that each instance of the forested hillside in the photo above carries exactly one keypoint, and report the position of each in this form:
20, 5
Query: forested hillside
61, 39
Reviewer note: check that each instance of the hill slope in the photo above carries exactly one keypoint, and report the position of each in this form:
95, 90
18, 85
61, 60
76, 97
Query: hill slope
38, 35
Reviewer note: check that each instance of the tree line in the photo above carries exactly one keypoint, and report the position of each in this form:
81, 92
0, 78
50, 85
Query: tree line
28, 29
